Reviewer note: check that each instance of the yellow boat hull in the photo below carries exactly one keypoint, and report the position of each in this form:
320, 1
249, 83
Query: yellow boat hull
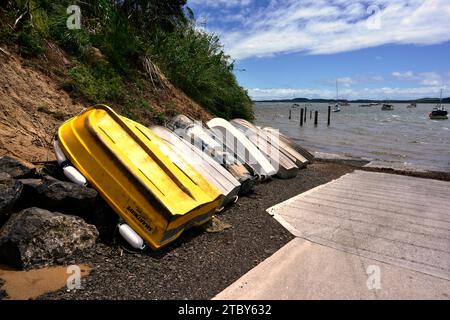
157, 193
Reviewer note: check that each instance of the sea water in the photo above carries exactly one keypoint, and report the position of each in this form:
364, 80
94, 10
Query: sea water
403, 138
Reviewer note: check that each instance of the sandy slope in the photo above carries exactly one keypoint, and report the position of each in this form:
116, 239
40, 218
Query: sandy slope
33, 104
31, 108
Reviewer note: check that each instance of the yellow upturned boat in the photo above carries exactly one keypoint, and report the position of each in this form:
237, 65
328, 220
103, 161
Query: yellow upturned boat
157, 193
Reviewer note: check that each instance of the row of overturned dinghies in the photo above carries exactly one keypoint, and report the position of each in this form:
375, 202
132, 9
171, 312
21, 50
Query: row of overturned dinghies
164, 180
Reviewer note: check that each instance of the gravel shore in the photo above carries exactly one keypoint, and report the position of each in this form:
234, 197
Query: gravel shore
200, 264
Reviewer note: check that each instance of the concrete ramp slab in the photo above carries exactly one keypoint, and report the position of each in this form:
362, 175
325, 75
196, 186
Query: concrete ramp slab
395, 219
363, 236
303, 270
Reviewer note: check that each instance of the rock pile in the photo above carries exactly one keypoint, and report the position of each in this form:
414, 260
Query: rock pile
42, 219
36, 237
16, 168
10, 191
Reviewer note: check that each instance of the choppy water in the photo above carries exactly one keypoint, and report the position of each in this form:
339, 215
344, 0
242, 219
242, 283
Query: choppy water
404, 138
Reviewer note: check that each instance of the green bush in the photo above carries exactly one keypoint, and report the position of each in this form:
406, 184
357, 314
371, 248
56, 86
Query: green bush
7, 19
99, 83
195, 62
30, 41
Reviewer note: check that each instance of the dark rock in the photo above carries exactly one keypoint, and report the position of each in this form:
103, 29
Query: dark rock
35, 237
66, 197
105, 219
83, 202
53, 170
3, 294
29, 194
10, 191
17, 168
32, 184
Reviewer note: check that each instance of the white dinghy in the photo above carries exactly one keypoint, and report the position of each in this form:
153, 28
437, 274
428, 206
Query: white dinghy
302, 156
211, 170
278, 141
269, 147
205, 140
236, 141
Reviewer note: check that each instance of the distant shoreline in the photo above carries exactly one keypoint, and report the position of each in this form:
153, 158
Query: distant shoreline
306, 100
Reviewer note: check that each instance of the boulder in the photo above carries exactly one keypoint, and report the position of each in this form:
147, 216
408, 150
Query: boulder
30, 189
36, 238
17, 168
66, 197
30, 196
10, 191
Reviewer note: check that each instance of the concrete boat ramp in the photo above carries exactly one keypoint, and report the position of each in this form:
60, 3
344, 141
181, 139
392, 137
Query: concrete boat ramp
364, 236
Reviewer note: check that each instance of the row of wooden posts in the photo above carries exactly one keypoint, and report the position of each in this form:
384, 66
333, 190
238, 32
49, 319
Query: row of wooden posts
304, 112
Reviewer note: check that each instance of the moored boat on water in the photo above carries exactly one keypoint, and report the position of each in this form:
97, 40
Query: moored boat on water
337, 107
366, 105
387, 107
412, 105
158, 195
439, 112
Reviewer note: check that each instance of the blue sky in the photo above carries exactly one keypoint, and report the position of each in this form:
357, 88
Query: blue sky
298, 48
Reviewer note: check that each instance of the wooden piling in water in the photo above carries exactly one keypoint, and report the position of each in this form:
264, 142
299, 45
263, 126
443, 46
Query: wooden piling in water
310, 115
316, 118
301, 117
329, 115
306, 112
290, 114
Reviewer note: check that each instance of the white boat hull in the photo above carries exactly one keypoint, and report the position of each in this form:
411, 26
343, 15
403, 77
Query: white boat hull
211, 170
286, 168
235, 140
204, 140
302, 156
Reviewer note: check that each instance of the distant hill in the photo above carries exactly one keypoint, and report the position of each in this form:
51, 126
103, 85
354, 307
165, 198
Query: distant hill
306, 100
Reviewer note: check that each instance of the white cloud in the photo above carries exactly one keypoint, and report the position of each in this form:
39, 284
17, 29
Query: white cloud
424, 78
286, 93
409, 75
353, 80
221, 3
332, 26
347, 93
346, 81
355, 87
